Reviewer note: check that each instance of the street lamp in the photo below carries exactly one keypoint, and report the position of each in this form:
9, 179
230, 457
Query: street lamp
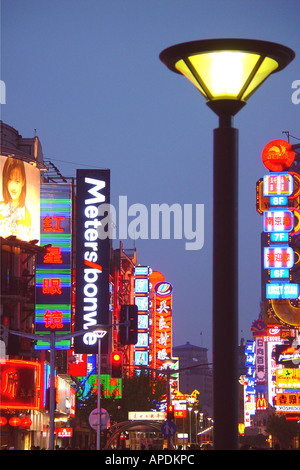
226, 72
196, 411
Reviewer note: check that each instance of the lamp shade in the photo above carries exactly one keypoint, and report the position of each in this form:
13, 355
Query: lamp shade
227, 71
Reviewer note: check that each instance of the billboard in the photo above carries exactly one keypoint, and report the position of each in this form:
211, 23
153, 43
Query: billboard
53, 269
19, 199
143, 303
92, 258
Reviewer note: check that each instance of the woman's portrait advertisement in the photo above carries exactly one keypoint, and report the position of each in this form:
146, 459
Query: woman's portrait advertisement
19, 199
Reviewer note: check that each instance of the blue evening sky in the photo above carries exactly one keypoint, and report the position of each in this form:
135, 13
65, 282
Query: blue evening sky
86, 75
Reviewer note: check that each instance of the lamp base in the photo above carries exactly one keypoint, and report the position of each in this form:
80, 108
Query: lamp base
225, 107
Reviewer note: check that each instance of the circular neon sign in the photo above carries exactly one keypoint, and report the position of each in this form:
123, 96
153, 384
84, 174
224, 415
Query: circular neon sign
278, 155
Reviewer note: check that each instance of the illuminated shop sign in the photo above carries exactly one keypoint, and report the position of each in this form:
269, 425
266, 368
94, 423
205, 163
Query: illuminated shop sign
282, 291
250, 367
288, 356
141, 286
141, 358
53, 270
260, 362
278, 201
77, 364
288, 378
273, 334
278, 184
278, 155
162, 322
110, 387
278, 221
288, 402
261, 403
279, 237
64, 432
20, 384
278, 257
279, 273
19, 199
92, 257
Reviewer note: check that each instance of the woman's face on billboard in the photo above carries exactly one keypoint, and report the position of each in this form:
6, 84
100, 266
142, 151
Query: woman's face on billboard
15, 185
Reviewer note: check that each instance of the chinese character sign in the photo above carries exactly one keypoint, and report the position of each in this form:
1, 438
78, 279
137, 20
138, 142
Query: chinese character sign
142, 301
20, 384
163, 322
53, 272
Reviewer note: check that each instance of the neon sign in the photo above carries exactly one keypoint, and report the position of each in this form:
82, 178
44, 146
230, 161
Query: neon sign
162, 322
278, 221
278, 155
282, 291
53, 272
20, 384
278, 184
142, 301
278, 257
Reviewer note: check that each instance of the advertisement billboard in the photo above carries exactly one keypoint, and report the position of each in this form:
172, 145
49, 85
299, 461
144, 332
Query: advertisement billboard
20, 384
19, 199
92, 258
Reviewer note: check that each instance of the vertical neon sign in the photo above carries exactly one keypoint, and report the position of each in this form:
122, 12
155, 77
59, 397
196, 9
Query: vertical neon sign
163, 322
143, 303
53, 271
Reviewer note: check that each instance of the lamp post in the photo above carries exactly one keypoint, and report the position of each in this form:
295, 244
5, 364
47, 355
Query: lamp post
100, 332
196, 411
226, 72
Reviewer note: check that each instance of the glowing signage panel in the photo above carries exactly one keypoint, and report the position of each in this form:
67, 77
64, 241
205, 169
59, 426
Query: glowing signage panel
278, 221
278, 155
142, 301
92, 258
278, 257
278, 184
288, 378
288, 402
20, 384
282, 291
163, 322
53, 271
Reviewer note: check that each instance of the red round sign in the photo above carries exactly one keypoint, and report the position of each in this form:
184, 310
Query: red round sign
278, 155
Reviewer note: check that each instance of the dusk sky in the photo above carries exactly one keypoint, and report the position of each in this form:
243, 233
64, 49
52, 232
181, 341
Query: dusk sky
86, 75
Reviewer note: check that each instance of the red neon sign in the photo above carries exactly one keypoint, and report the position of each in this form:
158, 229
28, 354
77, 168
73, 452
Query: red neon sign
278, 155
53, 320
52, 286
53, 255
52, 224
163, 323
20, 384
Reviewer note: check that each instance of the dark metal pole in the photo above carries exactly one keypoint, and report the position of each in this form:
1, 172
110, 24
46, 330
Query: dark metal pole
99, 397
225, 286
52, 389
